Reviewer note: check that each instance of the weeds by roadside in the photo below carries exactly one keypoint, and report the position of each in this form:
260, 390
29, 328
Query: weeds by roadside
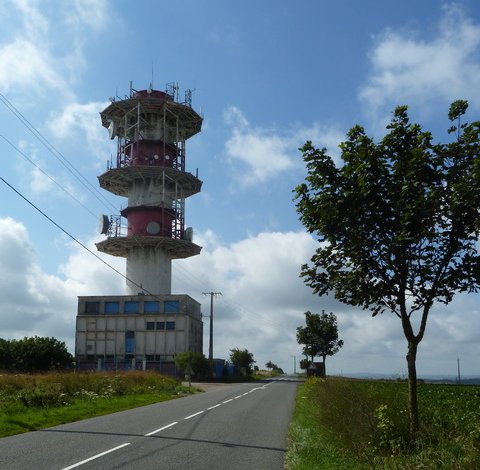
364, 424
29, 402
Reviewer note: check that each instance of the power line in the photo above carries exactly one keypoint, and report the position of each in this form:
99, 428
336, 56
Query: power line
57, 154
197, 283
75, 239
24, 155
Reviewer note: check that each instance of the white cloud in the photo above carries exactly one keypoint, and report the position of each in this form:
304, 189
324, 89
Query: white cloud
86, 275
82, 121
264, 154
91, 13
25, 67
36, 303
410, 70
38, 57
35, 24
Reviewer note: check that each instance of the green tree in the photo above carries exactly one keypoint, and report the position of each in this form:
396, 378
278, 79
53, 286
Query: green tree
242, 359
304, 363
319, 336
35, 354
5, 355
398, 223
196, 360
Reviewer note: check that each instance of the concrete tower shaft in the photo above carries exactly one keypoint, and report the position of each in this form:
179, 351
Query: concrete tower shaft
151, 129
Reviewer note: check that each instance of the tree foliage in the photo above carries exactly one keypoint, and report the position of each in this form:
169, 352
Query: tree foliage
35, 354
304, 363
272, 366
319, 335
398, 222
242, 359
196, 360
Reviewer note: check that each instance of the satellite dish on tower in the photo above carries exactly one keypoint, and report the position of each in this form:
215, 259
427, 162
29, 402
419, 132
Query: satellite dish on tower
153, 228
112, 129
103, 224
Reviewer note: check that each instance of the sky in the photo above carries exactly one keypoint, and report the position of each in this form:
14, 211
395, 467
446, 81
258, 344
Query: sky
266, 76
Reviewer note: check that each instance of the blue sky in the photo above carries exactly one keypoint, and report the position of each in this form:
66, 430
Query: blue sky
267, 76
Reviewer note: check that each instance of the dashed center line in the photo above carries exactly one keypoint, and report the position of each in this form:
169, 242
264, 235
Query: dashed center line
78, 464
214, 406
161, 429
96, 456
195, 414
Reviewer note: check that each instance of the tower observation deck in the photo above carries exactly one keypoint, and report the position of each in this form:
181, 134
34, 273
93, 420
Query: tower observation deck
151, 128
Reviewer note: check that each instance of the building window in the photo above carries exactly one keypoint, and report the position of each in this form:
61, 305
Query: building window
160, 325
112, 307
170, 325
129, 342
172, 306
150, 325
131, 306
151, 306
92, 307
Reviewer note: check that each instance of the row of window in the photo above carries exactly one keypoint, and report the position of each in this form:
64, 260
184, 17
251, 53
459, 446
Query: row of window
133, 306
160, 325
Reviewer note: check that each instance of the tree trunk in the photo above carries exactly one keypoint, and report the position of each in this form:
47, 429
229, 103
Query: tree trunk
412, 389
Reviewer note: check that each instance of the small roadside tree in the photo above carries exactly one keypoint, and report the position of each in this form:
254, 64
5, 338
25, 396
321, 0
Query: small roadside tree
243, 359
319, 336
304, 363
196, 360
398, 223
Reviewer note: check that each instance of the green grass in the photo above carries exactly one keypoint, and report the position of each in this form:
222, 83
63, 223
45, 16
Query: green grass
32, 402
348, 424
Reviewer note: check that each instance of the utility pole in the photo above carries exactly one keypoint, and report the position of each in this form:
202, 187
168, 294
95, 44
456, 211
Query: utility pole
210, 344
458, 370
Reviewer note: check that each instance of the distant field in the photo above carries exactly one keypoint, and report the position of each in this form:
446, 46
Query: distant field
31, 402
355, 424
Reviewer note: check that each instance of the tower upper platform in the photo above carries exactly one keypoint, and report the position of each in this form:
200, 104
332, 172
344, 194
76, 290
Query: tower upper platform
175, 117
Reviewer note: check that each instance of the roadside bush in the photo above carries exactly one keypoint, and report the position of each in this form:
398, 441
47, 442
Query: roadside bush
44, 395
34, 354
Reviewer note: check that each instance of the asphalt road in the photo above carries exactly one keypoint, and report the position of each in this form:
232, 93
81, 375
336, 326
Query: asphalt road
236, 426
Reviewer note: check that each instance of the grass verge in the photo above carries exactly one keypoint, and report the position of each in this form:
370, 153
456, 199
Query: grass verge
346, 424
33, 402
310, 443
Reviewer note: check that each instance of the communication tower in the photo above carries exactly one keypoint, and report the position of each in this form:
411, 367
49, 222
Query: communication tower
148, 326
151, 128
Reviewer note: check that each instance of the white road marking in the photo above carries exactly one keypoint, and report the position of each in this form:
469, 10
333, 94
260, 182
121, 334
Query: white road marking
96, 456
161, 429
195, 414
214, 406
78, 464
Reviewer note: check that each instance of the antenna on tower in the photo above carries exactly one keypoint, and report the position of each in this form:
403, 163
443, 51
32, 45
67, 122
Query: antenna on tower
151, 83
